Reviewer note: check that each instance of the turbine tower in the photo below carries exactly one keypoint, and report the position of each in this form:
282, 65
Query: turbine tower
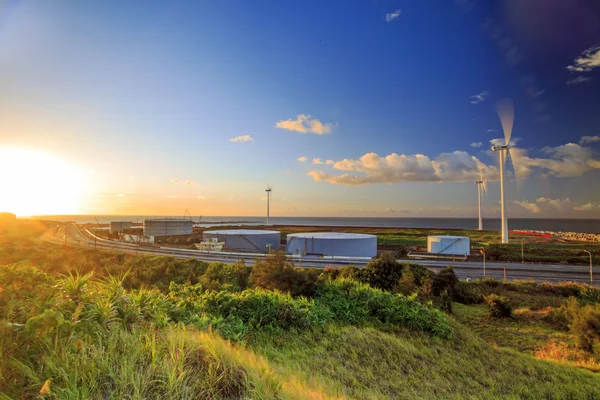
506, 112
479, 185
268, 190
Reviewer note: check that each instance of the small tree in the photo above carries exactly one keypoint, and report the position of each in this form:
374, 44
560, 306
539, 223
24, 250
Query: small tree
445, 280
499, 306
383, 272
277, 272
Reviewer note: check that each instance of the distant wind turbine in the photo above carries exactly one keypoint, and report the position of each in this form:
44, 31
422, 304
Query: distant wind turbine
268, 190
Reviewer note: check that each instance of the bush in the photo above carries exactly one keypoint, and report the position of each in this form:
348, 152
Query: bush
467, 293
226, 277
383, 272
445, 280
407, 284
446, 302
499, 306
356, 303
420, 272
276, 272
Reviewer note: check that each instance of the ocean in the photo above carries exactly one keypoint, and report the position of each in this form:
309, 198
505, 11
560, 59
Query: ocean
540, 224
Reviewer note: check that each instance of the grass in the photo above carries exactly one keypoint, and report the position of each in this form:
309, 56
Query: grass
142, 327
372, 362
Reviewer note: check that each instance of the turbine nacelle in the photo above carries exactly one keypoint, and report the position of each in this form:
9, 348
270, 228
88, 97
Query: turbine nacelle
500, 148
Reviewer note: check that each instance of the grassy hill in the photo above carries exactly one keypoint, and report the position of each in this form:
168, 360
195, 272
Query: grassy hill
77, 323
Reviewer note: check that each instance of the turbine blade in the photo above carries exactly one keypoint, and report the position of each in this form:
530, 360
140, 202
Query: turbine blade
506, 112
485, 190
518, 178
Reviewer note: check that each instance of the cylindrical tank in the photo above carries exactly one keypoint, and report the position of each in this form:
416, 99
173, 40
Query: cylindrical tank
332, 244
119, 226
246, 239
168, 227
449, 245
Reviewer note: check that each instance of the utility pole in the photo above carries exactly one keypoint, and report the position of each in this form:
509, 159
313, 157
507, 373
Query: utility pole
483, 252
522, 256
591, 268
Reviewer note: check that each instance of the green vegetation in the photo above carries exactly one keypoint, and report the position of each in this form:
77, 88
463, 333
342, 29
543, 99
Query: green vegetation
79, 323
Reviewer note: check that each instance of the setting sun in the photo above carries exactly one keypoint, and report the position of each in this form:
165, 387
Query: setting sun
36, 183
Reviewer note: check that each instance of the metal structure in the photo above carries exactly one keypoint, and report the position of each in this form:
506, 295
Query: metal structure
245, 239
167, 227
332, 244
268, 190
451, 245
506, 113
119, 226
481, 185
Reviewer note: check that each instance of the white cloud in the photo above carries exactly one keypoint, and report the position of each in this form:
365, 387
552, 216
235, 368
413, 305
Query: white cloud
317, 161
531, 207
569, 160
243, 138
589, 139
557, 204
579, 79
476, 145
188, 182
492, 130
391, 210
304, 124
329, 162
588, 60
302, 159
174, 180
458, 166
478, 98
389, 17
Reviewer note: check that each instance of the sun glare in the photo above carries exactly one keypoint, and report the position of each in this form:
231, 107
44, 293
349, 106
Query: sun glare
36, 183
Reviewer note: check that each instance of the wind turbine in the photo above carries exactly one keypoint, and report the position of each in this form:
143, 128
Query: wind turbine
506, 112
268, 190
481, 185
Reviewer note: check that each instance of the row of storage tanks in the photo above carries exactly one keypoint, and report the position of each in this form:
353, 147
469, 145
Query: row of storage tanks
335, 244
318, 243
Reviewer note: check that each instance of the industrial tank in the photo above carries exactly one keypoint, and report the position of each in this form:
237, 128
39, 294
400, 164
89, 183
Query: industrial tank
119, 226
245, 239
168, 227
449, 245
332, 244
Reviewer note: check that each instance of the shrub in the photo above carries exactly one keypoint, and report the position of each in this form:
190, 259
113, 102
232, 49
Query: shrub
445, 280
490, 282
407, 284
276, 272
499, 306
467, 293
383, 272
356, 303
585, 324
446, 302
226, 277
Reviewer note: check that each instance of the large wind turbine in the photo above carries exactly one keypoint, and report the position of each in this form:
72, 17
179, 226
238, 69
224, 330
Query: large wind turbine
268, 190
506, 112
481, 185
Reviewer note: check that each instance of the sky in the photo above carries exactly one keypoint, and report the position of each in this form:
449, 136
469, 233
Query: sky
360, 108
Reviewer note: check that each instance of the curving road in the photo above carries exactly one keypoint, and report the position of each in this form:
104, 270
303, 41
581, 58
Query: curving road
75, 235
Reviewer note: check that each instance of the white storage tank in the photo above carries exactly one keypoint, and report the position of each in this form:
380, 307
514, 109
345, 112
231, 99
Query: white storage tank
332, 244
245, 239
168, 227
449, 245
119, 226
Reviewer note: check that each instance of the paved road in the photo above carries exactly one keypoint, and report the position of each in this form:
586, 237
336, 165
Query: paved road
79, 236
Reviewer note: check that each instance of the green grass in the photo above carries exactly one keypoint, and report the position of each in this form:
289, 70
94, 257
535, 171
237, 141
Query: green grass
375, 362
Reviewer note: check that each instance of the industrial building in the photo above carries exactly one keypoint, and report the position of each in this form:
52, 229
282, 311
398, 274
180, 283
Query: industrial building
119, 226
245, 239
167, 227
332, 244
454, 245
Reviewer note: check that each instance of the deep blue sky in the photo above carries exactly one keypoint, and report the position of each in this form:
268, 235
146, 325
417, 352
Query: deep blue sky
138, 94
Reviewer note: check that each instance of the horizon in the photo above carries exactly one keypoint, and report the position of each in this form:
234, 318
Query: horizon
384, 110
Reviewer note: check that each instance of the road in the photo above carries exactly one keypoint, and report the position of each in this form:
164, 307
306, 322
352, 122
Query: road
80, 237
